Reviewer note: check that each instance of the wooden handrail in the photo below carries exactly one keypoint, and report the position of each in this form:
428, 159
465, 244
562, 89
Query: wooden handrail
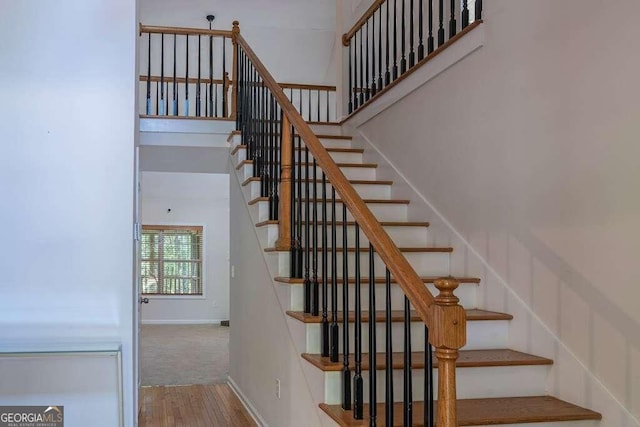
346, 38
407, 278
306, 86
151, 29
169, 79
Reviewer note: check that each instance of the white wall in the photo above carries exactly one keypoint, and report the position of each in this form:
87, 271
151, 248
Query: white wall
67, 174
529, 148
194, 199
294, 38
261, 346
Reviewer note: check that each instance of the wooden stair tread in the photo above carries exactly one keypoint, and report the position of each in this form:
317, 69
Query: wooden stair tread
352, 223
351, 181
477, 412
398, 316
365, 280
340, 165
402, 249
466, 359
370, 201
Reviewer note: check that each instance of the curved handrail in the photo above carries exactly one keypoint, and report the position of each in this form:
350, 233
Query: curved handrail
410, 282
346, 38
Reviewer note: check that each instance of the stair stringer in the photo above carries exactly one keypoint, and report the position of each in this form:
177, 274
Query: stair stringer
257, 306
569, 378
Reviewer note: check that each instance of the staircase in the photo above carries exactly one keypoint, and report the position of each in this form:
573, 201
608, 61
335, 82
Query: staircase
495, 385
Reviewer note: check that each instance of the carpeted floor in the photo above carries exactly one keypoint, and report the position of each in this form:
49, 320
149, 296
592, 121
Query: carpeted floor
184, 354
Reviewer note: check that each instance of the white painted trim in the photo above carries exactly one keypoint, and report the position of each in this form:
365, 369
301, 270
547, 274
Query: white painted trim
467, 44
247, 404
184, 322
223, 127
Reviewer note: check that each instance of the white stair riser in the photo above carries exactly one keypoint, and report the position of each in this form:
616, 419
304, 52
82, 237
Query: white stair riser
322, 129
335, 143
366, 191
402, 236
496, 339
337, 156
424, 263
352, 173
466, 293
471, 383
382, 211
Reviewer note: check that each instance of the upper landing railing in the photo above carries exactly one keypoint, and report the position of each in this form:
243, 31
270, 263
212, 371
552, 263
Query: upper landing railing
394, 36
188, 72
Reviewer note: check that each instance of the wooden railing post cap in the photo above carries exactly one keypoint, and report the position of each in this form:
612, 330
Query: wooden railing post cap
446, 286
236, 26
448, 319
345, 40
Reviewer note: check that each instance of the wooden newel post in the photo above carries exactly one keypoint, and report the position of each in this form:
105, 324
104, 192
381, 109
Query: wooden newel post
234, 72
286, 177
447, 334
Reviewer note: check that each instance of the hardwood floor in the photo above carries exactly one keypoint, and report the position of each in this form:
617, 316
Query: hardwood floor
192, 406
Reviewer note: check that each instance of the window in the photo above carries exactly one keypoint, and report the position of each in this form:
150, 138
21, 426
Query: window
171, 260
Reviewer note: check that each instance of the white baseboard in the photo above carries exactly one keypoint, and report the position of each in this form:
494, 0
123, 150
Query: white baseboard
247, 404
183, 322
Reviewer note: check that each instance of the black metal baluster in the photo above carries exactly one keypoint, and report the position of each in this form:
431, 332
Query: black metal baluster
296, 256
428, 380
388, 353
412, 54
346, 373
366, 79
350, 79
358, 388
361, 67
478, 7
373, 52
162, 74
465, 14
328, 120
166, 106
318, 111
273, 151
440, 22
186, 79
335, 340
206, 97
224, 76
148, 109
430, 37
408, 393
373, 412
395, 39
157, 98
420, 30
215, 100
380, 48
452, 21
175, 78
403, 48
264, 163
300, 102
211, 73
387, 74
325, 273
307, 242
315, 304
309, 105
198, 84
